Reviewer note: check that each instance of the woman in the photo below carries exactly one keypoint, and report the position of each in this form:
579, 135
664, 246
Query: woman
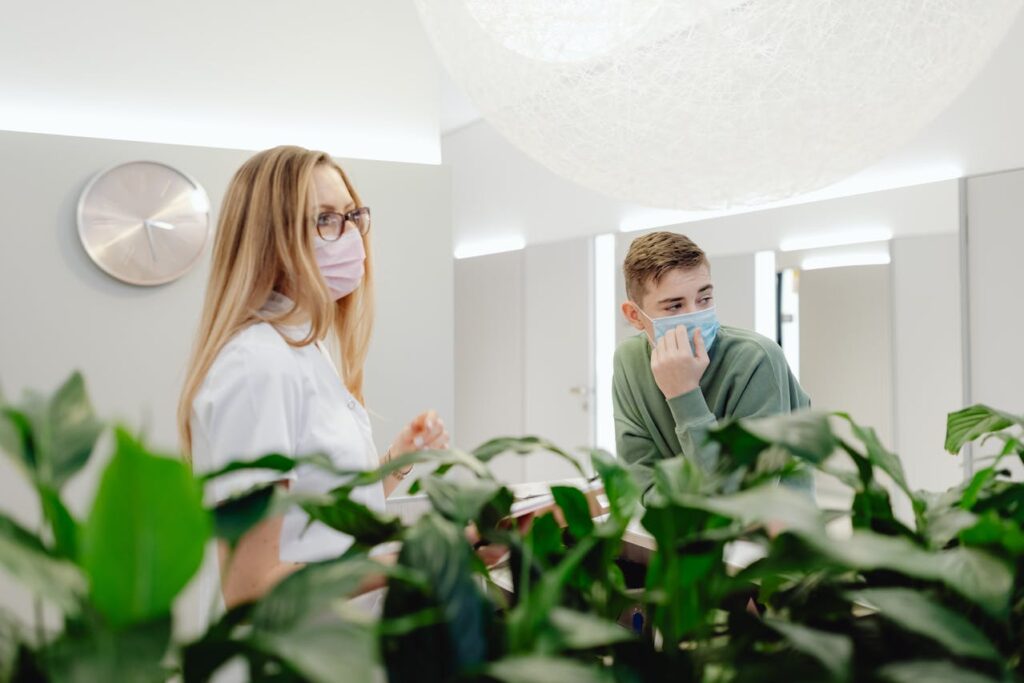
292, 268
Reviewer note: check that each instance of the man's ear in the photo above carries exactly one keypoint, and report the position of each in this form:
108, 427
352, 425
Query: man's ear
632, 315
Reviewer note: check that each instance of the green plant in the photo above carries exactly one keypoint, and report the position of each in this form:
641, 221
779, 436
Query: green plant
938, 597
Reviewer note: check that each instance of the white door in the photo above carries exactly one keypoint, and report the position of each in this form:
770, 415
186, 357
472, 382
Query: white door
558, 353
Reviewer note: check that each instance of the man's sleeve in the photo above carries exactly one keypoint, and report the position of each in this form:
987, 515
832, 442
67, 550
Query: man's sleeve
693, 420
761, 396
633, 443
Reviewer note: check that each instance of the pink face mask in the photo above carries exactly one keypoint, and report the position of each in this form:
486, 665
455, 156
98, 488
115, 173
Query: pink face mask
341, 262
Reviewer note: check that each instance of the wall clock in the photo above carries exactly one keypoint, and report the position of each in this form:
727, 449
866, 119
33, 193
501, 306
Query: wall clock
143, 222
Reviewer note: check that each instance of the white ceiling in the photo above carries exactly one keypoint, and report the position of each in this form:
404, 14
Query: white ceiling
457, 111
354, 77
504, 197
358, 78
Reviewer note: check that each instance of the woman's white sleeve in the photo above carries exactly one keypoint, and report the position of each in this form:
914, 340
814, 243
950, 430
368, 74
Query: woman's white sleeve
251, 406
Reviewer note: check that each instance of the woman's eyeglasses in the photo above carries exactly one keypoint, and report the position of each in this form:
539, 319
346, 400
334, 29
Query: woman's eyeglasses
331, 226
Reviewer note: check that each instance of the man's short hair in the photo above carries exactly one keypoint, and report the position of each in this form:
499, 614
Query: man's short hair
653, 255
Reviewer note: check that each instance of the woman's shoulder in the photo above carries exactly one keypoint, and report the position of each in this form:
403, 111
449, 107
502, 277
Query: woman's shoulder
258, 351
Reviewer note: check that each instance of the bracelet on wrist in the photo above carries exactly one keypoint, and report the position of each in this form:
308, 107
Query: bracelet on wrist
397, 474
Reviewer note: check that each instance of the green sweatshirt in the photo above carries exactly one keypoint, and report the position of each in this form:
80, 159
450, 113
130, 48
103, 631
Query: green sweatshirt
748, 377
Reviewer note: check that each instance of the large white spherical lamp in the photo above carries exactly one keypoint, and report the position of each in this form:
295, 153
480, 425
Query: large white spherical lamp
701, 104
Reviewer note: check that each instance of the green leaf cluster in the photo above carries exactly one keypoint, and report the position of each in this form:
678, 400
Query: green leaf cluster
648, 592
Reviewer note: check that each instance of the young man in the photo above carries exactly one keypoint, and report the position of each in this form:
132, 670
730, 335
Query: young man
667, 392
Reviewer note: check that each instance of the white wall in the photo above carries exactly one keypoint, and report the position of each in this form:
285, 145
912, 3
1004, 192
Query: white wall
734, 290
917, 210
498, 191
846, 343
995, 229
928, 379
558, 334
995, 225
846, 352
489, 354
523, 342
61, 313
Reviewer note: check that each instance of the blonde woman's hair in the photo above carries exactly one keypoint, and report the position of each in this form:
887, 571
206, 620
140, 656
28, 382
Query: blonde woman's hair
264, 243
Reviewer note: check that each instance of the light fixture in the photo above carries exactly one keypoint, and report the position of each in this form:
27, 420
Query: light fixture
845, 258
835, 238
717, 103
494, 245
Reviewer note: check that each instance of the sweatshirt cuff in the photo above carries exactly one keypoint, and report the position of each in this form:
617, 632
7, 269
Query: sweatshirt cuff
690, 409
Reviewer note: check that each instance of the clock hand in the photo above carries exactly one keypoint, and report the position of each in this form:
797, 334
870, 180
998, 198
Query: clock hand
148, 226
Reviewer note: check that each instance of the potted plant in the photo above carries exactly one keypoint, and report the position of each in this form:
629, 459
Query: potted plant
936, 598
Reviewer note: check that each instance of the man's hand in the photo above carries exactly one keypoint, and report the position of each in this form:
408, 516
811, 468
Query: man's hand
677, 370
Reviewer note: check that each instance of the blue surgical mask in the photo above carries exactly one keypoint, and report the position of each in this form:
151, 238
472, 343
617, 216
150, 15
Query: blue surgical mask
706, 321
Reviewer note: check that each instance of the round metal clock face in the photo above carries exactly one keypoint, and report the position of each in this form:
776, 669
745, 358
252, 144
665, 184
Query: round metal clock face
143, 222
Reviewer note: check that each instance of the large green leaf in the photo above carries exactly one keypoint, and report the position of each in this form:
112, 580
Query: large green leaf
914, 611
273, 461
72, 429
992, 530
930, 672
981, 481
233, 518
313, 590
767, 504
973, 573
445, 460
25, 558
943, 516
325, 652
91, 652
537, 600
65, 528
145, 536
357, 477
544, 542
575, 509
283, 463
620, 487
461, 501
52, 437
201, 658
677, 477
544, 669
879, 455
236, 516
438, 550
969, 424
11, 637
832, 650
342, 513
806, 435
523, 445
872, 509
14, 437
677, 580
580, 631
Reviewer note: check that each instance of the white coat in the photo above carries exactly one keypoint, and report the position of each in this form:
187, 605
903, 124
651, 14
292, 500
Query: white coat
262, 395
